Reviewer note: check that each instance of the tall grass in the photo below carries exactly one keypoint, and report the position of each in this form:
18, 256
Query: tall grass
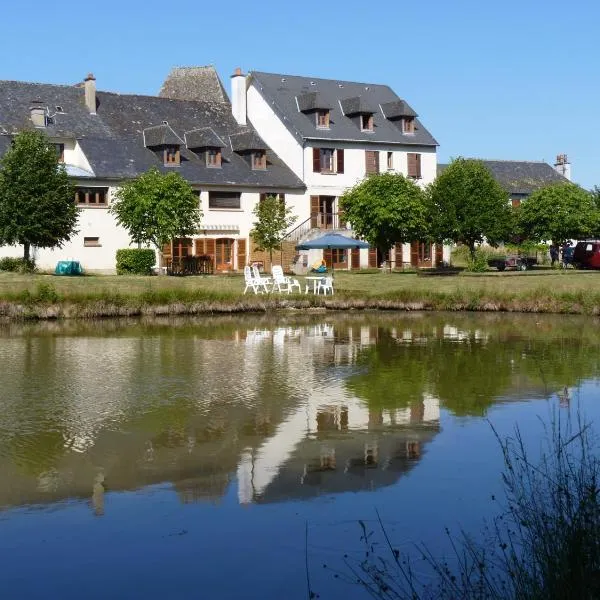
543, 545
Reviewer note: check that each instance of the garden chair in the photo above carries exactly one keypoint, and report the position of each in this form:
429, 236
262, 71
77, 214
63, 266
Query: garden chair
283, 283
264, 281
326, 284
252, 283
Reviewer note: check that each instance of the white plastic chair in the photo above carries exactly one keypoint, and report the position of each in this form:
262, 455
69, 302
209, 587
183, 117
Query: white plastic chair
326, 284
264, 281
252, 283
283, 283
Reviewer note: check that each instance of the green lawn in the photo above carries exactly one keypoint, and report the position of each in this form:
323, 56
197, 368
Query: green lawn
364, 284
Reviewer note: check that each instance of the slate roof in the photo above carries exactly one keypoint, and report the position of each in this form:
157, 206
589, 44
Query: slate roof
113, 139
203, 137
160, 135
357, 105
249, 140
282, 91
194, 83
397, 109
312, 101
520, 177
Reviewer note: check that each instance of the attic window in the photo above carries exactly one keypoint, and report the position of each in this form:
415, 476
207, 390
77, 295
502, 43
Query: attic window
322, 119
366, 122
213, 158
172, 156
59, 109
259, 160
60, 152
408, 125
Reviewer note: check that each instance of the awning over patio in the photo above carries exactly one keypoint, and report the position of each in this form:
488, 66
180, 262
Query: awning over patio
220, 228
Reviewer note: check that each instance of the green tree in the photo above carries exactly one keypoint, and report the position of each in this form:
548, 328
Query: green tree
157, 207
469, 206
386, 208
37, 200
273, 218
558, 212
596, 195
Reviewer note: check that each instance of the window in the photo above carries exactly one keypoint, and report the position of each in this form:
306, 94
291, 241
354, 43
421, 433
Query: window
414, 165
371, 161
323, 119
338, 255
408, 125
224, 200
280, 197
259, 159
60, 152
390, 161
328, 160
366, 122
213, 158
172, 156
91, 197
91, 242
516, 202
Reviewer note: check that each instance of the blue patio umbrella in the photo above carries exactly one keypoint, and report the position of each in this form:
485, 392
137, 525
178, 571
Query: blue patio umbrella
331, 241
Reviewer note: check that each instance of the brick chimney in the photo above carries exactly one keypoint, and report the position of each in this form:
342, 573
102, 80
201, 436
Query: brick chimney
238, 96
89, 84
563, 166
37, 113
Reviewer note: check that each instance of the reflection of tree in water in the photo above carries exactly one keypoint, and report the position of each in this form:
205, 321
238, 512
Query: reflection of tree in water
470, 375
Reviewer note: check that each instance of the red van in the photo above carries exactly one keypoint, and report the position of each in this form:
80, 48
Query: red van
587, 255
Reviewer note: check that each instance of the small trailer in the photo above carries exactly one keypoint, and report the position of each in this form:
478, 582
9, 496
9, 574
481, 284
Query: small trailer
513, 261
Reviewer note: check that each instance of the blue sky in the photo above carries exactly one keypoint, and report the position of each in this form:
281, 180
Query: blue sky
506, 80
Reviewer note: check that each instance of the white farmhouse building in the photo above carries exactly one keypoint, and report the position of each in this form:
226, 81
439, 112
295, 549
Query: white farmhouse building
332, 134
105, 139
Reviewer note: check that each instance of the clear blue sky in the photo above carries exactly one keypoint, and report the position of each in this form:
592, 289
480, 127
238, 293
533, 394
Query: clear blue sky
508, 79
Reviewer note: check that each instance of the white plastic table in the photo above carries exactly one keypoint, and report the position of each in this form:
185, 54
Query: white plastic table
315, 281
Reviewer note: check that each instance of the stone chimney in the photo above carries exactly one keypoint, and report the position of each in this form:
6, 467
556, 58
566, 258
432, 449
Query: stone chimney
238, 96
37, 113
563, 166
89, 84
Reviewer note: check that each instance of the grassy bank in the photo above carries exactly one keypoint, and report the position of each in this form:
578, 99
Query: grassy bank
47, 296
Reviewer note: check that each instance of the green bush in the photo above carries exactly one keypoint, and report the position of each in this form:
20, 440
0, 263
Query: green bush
17, 265
478, 263
135, 261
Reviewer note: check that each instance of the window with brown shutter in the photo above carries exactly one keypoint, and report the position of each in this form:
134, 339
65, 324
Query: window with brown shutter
322, 119
408, 125
327, 160
316, 160
366, 122
390, 161
213, 157
91, 197
340, 160
314, 210
259, 160
172, 156
371, 161
516, 202
241, 254
414, 165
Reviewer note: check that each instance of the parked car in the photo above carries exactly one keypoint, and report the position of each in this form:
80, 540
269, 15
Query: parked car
587, 255
512, 261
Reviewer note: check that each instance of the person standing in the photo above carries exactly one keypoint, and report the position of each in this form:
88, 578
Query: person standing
553, 254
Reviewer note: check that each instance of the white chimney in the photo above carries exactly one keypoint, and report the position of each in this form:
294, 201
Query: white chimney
563, 166
37, 113
89, 84
238, 96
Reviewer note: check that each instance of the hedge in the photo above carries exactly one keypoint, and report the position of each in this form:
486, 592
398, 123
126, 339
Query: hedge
17, 265
135, 261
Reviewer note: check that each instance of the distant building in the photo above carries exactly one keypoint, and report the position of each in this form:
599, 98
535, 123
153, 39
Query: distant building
520, 178
333, 134
105, 139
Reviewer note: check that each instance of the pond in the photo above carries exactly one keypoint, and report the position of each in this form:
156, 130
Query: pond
216, 457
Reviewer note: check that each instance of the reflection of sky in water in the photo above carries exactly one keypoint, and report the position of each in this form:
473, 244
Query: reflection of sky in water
189, 452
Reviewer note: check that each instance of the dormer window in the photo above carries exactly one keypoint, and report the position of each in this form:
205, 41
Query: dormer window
408, 125
213, 158
322, 119
172, 156
60, 152
366, 122
259, 160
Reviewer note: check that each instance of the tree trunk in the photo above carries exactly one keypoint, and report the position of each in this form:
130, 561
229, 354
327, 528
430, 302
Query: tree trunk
471, 249
271, 258
26, 248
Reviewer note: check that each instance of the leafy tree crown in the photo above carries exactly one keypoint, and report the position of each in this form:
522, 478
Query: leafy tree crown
273, 219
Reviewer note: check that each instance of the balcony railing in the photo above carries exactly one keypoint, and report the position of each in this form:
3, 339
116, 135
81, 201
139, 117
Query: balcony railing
318, 220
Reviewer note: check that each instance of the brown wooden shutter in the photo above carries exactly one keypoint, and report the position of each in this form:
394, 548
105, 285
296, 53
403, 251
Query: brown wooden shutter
439, 254
418, 165
210, 248
376, 161
355, 258
262, 197
414, 254
412, 166
200, 246
371, 162
328, 257
316, 160
168, 250
340, 160
373, 258
398, 255
516, 202
241, 249
314, 210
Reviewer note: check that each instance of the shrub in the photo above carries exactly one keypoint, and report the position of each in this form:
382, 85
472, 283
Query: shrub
17, 265
478, 263
135, 261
